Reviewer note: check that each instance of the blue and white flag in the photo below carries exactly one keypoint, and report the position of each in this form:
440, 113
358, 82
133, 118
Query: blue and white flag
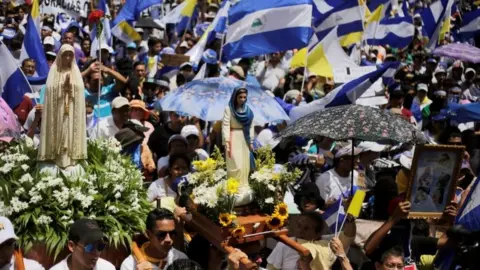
470, 25
347, 15
32, 48
217, 27
267, 26
397, 31
13, 82
334, 216
132, 9
106, 35
469, 214
433, 18
345, 94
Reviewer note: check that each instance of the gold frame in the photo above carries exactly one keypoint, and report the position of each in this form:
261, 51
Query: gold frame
420, 149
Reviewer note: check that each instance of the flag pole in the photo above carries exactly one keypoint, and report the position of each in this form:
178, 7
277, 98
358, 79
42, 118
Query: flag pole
99, 51
304, 71
221, 44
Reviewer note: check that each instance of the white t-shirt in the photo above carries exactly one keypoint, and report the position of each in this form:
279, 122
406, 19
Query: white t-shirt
101, 265
270, 77
332, 185
106, 129
29, 265
159, 189
173, 255
283, 257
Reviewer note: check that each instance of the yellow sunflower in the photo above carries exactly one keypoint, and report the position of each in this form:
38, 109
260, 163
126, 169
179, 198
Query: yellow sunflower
238, 232
281, 210
226, 219
232, 186
274, 222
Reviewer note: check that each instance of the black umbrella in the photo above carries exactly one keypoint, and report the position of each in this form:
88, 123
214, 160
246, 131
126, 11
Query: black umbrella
355, 122
147, 23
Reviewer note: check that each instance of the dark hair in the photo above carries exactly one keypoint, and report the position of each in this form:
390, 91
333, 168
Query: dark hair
309, 191
138, 63
317, 218
239, 91
397, 94
153, 41
133, 83
28, 60
158, 214
176, 157
184, 264
392, 252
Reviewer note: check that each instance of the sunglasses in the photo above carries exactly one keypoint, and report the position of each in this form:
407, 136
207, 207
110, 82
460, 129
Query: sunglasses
93, 247
162, 234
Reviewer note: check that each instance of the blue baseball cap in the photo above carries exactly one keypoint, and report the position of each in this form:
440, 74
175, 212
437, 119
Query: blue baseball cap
209, 56
131, 45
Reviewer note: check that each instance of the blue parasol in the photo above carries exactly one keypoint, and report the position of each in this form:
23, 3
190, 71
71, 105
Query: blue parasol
208, 98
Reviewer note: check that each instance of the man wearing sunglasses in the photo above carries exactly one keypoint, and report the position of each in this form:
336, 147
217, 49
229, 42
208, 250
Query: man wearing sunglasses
159, 251
85, 242
8, 240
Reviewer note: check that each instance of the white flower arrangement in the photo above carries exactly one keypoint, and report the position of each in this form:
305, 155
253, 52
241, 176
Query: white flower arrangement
270, 181
42, 206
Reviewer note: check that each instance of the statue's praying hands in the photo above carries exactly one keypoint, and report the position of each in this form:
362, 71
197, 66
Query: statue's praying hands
67, 86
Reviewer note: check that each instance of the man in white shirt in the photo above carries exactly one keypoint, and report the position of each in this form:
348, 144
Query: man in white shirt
270, 71
8, 240
159, 250
337, 182
109, 126
85, 242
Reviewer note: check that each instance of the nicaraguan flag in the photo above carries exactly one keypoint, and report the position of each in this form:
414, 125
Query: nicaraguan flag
469, 214
261, 27
345, 94
433, 18
347, 15
13, 82
218, 26
395, 31
470, 25
334, 216
132, 9
32, 46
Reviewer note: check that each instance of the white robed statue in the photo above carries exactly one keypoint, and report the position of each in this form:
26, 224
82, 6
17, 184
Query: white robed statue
237, 132
63, 131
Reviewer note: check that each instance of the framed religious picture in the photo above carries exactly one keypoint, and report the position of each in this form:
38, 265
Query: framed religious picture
433, 179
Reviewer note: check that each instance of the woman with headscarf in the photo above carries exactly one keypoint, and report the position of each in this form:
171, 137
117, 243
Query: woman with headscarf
237, 132
63, 131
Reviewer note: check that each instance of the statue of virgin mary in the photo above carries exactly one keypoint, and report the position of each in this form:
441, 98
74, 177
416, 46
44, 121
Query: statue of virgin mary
63, 131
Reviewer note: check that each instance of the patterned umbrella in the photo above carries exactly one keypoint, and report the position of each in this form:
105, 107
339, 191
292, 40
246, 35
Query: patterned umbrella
208, 98
460, 51
354, 122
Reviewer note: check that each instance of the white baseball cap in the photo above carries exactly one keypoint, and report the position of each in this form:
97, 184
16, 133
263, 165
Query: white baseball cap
347, 151
119, 102
106, 47
371, 146
422, 87
6, 230
49, 41
189, 130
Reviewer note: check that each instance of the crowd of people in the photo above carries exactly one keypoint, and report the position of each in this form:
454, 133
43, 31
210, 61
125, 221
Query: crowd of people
125, 83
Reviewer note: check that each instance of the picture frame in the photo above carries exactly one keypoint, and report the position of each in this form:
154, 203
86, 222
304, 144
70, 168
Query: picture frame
433, 178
